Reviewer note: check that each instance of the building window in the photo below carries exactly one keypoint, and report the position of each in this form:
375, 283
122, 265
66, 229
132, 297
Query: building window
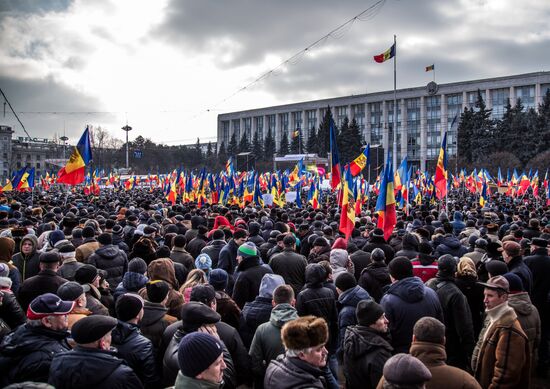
472, 98
237, 128
271, 124
341, 114
38, 165
413, 128
248, 128
284, 122
376, 123
297, 117
260, 126
358, 112
225, 132
454, 109
499, 98
527, 96
311, 121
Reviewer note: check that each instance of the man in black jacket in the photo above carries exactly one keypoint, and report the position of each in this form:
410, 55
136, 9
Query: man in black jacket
92, 364
214, 247
248, 275
131, 345
110, 258
290, 265
196, 244
26, 353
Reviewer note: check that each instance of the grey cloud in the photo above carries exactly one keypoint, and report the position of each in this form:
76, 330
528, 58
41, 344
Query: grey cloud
32, 6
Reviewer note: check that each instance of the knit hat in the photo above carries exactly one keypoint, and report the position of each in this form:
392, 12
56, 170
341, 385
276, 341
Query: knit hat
56, 236
269, 283
446, 265
516, 285
48, 304
157, 290
70, 291
400, 267
378, 255
368, 312
203, 293
4, 270
203, 262
247, 250
105, 239
340, 243
304, 332
196, 352
345, 281
128, 306
85, 274
137, 265
92, 328
219, 279
88, 232
496, 267
404, 369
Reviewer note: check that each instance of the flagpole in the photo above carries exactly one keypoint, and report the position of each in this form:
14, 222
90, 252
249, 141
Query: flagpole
395, 102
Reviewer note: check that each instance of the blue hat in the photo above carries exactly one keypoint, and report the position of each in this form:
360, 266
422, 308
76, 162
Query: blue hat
203, 262
48, 304
219, 279
56, 236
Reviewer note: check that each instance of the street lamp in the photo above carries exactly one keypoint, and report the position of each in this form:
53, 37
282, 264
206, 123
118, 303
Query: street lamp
64, 139
127, 128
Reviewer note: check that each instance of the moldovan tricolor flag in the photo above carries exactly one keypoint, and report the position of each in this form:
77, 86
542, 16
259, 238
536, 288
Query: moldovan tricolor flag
347, 217
359, 163
73, 173
388, 54
385, 205
441, 170
336, 175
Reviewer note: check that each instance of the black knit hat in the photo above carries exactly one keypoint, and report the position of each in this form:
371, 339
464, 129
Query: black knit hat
368, 312
137, 265
128, 306
92, 328
345, 281
70, 291
85, 274
196, 352
157, 290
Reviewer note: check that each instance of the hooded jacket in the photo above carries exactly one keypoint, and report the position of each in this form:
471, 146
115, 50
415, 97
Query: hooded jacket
449, 244
113, 260
406, 301
153, 323
131, 283
91, 368
457, 223
291, 266
285, 372
375, 279
253, 314
528, 317
365, 353
347, 303
28, 265
248, 280
266, 344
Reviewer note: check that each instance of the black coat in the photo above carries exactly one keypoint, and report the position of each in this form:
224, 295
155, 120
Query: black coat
517, 266
86, 368
26, 354
248, 280
379, 243
361, 259
11, 312
365, 353
474, 294
292, 267
285, 372
228, 257
375, 279
47, 281
154, 323
212, 249
113, 260
539, 264
253, 314
195, 246
137, 351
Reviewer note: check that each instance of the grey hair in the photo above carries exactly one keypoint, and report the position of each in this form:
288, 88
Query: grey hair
294, 353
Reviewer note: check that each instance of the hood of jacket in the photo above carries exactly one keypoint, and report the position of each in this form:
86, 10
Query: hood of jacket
163, 269
360, 340
152, 312
34, 241
457, 216
315, 275
450, 241
7, 247
123, 331
410, 289
351, 297
133, 282
248, 263
281, 314
108, 252
521, 303
431, 354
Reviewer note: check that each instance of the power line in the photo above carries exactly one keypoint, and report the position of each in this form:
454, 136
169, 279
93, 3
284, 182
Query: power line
14, 113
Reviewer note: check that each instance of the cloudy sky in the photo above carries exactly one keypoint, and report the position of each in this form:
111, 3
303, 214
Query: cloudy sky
169, 67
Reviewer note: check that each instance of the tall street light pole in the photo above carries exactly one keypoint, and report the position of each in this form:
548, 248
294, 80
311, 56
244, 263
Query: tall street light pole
64, 139
127, 128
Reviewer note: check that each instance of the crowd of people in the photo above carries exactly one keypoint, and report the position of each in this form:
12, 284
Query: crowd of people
126, 290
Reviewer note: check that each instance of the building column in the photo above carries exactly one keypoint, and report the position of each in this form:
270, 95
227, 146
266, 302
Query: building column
278, 132
404, 124
266, 127
464, 101
512, 96
538, 95
488, 99
368, 127
385, 131
444, 118
423, 134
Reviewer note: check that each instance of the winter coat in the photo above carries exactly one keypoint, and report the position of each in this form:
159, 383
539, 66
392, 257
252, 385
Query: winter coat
88, 368
28, 265
26, 353
195, 246
424, 271
539, 264
459, 329
517, 266
286, 373
46, 281
347, 303
317, 300
69, 268
266, 247
228, 309
476, 255
253, 314
474, 294
449, 244
528, 318
256, 239
228, 257
457, 223
365, 353
93, 301
433, 356
360, 260
375, 279
379, 242
406, 301
153, 323
113, 260
502, 356
137, 351
291, 266
248, 280
267, 344
409, 248
212, 249
11, 312
184, 382
180, 255
131, 283
86, 249
322, 255
163, 269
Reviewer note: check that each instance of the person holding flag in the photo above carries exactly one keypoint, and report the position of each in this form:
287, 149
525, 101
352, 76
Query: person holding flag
74, 172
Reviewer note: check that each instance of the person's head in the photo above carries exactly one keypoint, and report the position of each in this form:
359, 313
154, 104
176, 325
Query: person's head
73, 291
179, 241
49, 311
289, 241
283, 294
200, 356
204, 293
204, 262
429, 329
27, 246
496, 292
405, 371
305, 338
496, 268
219, 279
195, 277
400, 268
344, 282
129, 308
87, 274
371, 314
446, 266
466, 268
240, 236
94, 331
105, 239
378, 255
510, 249
516, 285
246, 250
157, 291
218, 235
268, 284
137, 265
49, 261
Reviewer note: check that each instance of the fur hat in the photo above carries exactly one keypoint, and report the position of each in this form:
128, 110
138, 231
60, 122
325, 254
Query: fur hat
304, 332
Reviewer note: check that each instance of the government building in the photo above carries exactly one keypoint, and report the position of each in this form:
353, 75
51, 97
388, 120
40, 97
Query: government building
423, 114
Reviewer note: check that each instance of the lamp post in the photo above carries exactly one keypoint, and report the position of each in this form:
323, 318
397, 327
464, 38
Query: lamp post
127, 128
64, 139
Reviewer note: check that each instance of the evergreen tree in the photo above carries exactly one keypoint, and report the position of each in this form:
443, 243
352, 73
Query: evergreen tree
198, 153
257, 147
464, 134
323, 134
269, 146
349, 141
543, 123
222, 155
244, 144
283, 147
311, 144
209, 157
232, 148
482, 141
296, 145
